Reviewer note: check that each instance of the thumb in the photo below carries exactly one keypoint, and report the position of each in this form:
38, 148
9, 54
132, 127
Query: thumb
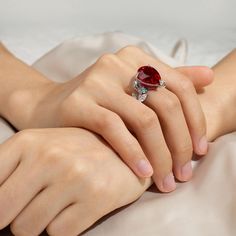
201, 76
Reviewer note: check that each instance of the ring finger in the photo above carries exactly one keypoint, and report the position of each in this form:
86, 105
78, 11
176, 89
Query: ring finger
181, 86
175, 130
72, 221
112, 128
40, 212
145, 124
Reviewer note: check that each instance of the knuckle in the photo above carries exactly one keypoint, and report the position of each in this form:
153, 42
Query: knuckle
133, 149
107, 59
90, 81
171, 103
186, 85
53, 153
131, 49
147, 120
51, 157
25, 136
106, 120
185, 150
67, 170
98, 188
78, 172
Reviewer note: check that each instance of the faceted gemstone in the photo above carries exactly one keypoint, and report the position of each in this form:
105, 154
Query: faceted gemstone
148, 77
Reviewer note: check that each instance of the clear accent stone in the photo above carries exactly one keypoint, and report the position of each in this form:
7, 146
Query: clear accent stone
162, 83
142, 97
141, 92
135, 84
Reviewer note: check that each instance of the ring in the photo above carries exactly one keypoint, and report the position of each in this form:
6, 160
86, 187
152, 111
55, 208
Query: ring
147, 78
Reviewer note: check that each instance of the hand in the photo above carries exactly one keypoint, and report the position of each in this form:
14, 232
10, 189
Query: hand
218, 100
62, 179
98, 100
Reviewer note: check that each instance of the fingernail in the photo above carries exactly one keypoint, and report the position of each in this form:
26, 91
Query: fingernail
169, 183
186, 171
203, 145
145, 168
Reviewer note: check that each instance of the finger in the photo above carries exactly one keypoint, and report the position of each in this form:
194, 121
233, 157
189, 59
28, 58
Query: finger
42, 210
184, 90
72, 221
176, 132
111, 127
9, 159
145, 124
201, 76
182, 87
17, 191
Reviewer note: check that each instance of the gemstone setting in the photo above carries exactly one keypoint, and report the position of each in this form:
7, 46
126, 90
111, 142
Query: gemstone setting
148, 77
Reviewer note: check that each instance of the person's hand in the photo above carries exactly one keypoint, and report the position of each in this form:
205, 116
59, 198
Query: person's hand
167, 127
63, 179
219, 98
164, 130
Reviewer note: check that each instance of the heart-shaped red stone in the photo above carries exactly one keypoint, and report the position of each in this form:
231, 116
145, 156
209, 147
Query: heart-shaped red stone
148, 77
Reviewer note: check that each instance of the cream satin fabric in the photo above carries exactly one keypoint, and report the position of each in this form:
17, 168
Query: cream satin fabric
206, 206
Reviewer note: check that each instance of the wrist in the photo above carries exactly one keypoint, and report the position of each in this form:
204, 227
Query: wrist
213, 110
219, 98
22, 103
21, 89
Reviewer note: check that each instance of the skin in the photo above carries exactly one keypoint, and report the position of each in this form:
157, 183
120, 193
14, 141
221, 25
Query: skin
68, 182
134, 133
221, 116
77, 165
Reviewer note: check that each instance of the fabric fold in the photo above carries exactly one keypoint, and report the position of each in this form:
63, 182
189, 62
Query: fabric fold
204, 206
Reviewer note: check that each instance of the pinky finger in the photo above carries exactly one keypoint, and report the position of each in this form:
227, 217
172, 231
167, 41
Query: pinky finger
72, 221
201, 76
9, 159
111, 127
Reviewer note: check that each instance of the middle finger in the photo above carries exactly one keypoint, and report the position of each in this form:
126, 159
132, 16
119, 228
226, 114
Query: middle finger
145, 124
175, 130
180, 85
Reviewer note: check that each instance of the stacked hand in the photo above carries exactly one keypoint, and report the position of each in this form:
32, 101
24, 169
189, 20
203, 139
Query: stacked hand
152, 138
65, 179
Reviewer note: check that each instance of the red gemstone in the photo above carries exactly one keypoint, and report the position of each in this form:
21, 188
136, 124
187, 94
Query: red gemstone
148, 77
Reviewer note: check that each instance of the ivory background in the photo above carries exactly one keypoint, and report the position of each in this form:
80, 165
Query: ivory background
32, 27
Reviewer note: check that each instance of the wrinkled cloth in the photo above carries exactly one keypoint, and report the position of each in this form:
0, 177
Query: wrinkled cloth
204, 206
